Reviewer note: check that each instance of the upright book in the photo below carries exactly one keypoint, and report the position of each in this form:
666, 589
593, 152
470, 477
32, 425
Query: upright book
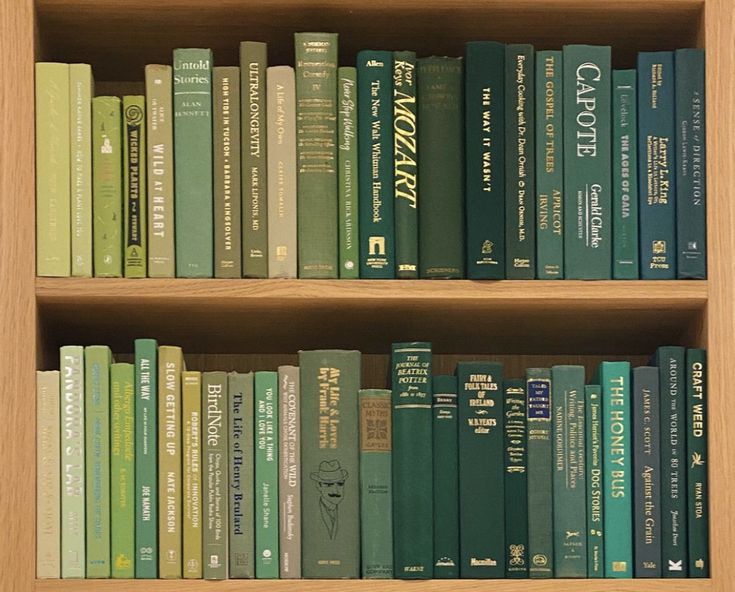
347, 160
135, 212
595, 491
516, 478
48, 467
289, 471
191, 473
266, 475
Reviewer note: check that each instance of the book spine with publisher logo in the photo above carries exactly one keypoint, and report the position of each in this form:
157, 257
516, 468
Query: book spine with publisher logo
266, 475
135, 223
516, 478
191, 477
595, 492
289, 470
697, 461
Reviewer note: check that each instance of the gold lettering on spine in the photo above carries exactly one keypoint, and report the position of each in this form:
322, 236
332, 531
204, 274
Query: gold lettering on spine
404, 128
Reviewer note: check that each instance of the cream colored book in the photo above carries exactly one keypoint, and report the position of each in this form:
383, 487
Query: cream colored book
48, 482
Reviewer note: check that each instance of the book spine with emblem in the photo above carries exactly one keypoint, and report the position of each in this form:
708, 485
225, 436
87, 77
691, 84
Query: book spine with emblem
266, 475
516, 478
595, 492
349, 244
134, 187
48, 467
191, 473
289, 470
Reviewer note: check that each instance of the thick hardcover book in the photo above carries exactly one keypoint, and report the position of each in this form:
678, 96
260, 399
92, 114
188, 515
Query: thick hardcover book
281, 172
405, 162
135, 212
413, 499
107, 203
595, 492
691, 165
330, 519
375, 153
192, 109
289, 472
242, 517
516, 479
226, 160
550, 166
53, 172
48, 468
72, 462
520, 193
316, 154
191, 473
540, 506
376, 493
657, 178
160, 147
481, 470
97, 360
266, 474
446, 477
349, 244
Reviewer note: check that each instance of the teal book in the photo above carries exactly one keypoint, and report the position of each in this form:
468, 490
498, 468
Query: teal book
375, 149
413, 499
266, 474
617, 465
595, 504
192, 104
485, 159
516, 478
446, 477
587, 162
549, 166
349, 245
625, 175
657, 166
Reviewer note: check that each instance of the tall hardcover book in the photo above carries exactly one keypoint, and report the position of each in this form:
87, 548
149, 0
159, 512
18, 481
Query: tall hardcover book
376, 163
266, 474
53, 172
348, 193
48, 468
135, 211
481, 470
192, 109
191, 473
595, 491
376, 492
330, 493
516, 478
289, 472
316, 154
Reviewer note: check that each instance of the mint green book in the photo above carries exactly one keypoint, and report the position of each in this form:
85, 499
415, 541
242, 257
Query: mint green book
593, 452
349, 246
97, 360
266, 475
134, 186
192, 90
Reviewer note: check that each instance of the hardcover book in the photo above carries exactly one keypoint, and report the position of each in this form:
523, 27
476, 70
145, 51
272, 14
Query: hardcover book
266, 474
289, 469
191, 479
349, 245
48, 468
134, 186
516, 479
595, 491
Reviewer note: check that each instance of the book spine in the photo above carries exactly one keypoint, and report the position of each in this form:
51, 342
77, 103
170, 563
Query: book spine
516, 479
266, 475
405, 174
191, 478
226, 161
316, 154
595, 505
349, 245
80, 118
376, 522
282, 249
625, 175
691, 165
107, 203
53, 194
289, 464
376, 164
657, 179
550, 166
192, 91
48, 468
482, 534
134, 187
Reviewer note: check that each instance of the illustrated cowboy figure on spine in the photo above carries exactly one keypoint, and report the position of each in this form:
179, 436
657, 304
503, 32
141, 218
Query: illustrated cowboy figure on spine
330, 481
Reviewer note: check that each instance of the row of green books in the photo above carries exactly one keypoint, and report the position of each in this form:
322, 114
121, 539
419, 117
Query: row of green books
507, 163
149, 470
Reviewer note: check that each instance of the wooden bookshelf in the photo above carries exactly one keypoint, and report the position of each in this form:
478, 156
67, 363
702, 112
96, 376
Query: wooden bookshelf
252, 324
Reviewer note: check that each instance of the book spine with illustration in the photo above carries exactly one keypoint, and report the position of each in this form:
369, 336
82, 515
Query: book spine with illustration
135, 225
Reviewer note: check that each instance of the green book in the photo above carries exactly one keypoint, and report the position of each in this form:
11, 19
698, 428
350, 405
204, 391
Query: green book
53, 195
349, 245
376, 493
446, 477
587, 162
122, 469
330, 493
73, 488
550, 166
134, 186
107, 201
520, 195
516, 478
481, 470
405, 174
146, 458
81, 89
376, 162
266, 474
540, 494
625, 175
192, 108
595, 490
316, 154
192, 484
441, 168
289, 472
570, 495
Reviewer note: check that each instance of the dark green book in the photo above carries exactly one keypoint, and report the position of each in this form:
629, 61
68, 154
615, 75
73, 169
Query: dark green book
484, 159
413, 498
446, 477
516, 479
135, 210
375, 149
550, 166
349, 245
587, 162
266, 474
595, 504
405, 161
481, 471
441, 168
520, 169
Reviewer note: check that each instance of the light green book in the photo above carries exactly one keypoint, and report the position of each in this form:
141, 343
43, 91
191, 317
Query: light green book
349, 246
266, 475
134, 185
191, 403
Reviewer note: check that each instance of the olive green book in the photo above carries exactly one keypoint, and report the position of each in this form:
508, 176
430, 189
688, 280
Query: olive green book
191, 478
134, 187
349, 245
289, 471
266, 475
